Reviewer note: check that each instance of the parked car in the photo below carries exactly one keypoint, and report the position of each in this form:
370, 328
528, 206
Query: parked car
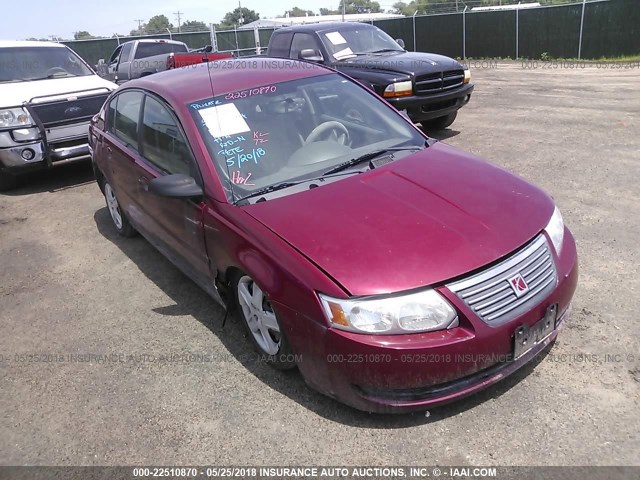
430, 88
396, 272
139, 58
48, 95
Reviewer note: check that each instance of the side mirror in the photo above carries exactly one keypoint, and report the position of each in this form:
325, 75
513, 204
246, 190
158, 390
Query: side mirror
175, 186
310, 55
400, 42
101, 61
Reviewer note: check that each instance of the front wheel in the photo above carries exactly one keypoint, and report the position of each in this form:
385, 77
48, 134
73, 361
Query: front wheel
440, 123
123, 227
262, 325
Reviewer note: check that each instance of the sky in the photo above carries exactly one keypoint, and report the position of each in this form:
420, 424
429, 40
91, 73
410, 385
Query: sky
44, 18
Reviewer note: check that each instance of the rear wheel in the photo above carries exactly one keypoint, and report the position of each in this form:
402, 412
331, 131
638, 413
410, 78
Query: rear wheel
440, 123
262, 324
123, 227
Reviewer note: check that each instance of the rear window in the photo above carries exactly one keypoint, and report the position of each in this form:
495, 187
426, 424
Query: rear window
151, 49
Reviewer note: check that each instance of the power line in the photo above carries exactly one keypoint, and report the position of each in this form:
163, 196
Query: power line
139, 23
177, 14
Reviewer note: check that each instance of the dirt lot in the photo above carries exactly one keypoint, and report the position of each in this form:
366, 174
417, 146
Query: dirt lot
69, 286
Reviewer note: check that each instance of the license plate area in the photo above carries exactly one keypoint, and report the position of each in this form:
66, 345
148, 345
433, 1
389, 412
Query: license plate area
526, 337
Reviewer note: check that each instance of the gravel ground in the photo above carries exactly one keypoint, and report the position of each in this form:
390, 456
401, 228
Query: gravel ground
70, 287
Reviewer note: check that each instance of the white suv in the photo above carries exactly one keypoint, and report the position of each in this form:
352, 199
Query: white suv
48, 96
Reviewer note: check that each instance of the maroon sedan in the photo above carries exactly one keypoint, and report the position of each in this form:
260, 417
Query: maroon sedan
396, 272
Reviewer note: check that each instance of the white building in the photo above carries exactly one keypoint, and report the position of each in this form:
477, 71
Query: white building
288, 21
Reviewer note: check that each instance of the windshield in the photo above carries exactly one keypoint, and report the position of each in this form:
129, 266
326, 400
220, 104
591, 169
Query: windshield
358, 41
295, 130
19, 64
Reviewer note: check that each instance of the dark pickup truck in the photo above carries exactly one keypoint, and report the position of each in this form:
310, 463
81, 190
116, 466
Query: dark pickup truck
430, 88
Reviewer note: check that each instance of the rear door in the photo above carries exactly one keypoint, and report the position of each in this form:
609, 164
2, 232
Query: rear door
121, 149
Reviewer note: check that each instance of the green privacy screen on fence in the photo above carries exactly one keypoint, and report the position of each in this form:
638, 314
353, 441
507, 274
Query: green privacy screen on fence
611, 29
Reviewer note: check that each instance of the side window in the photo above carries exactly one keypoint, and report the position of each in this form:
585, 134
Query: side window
279, 46
126, 117
111, 114
115, 54
302, 41
126, 52
162, 141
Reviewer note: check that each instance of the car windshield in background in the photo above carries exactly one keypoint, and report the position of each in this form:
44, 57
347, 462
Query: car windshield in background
358, 41
145, 50
296, 130
20, 64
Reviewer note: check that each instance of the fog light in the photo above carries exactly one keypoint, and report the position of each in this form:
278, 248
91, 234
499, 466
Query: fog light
28, 154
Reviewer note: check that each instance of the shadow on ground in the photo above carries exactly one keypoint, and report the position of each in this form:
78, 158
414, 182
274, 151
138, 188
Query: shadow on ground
191, 300
58, 178
440, 134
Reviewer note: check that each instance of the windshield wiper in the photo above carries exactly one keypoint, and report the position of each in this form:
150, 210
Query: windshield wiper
269, 189
280, 186
382, 50
368, 156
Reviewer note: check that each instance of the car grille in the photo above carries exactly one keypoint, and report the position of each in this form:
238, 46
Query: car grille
439, 82
65, 112
490, 294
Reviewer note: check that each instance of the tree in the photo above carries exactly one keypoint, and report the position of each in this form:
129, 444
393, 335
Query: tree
82, 35
194, 26
360, 6
299, 12
157, 24
240, 16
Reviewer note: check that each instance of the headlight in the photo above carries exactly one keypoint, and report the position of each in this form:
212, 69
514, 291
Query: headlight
14, 117
467, 76
424, 311
555, 230
398, 89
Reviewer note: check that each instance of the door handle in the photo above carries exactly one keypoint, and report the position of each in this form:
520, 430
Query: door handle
144, 183
109, 150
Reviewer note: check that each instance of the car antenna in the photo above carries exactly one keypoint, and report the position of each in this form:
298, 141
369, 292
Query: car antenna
233, 194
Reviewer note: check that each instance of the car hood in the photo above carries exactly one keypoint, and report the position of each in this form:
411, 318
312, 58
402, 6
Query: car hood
15, 94
410, 63
421, 220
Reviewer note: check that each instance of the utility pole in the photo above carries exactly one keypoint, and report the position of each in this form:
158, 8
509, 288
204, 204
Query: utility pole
177, 14
139, 23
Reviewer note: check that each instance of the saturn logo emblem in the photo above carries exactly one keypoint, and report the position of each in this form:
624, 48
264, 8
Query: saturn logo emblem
518, 285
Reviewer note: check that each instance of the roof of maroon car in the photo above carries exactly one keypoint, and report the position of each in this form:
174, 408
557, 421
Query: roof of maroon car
191, 83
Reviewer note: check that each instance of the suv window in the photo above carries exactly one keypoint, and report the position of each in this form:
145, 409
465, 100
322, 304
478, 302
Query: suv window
302, 41
127, 115
279, 45
162, 141
145, 49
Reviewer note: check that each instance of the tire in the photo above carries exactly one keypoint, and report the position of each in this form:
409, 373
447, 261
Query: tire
440, 123
261, 322
120, 221
8, 181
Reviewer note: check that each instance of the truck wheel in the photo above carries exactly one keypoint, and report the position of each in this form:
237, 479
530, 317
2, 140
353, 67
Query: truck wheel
440, 123
7, 181
123, 227
259, 318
